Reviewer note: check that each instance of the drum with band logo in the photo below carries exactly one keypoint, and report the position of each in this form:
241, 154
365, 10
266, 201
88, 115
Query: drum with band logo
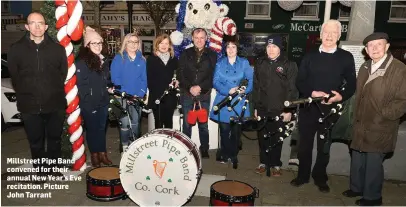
232, 193
162, 168
103, 184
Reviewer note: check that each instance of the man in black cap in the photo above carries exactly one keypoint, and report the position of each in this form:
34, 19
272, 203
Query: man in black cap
274, 82
380, 102
321, 73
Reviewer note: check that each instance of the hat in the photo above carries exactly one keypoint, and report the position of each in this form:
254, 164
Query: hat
275, 40
91, 35
375, 36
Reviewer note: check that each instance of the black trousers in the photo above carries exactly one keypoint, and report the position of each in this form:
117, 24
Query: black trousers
41, 128
95, 123
229, 136
273, 158
308, 126
366, 174
163, 115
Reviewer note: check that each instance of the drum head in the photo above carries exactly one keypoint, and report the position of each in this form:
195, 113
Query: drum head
159, 170
233, 188
105, 173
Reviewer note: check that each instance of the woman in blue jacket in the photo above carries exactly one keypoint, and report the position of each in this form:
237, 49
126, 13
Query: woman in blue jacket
229, 73
128, 70
92, 72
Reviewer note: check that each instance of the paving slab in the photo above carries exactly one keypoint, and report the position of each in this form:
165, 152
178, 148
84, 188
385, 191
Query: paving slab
272, 190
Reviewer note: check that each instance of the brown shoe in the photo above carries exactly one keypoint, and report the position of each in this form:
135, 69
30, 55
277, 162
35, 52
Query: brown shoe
104, 159
260, 169
276, 171
95, 159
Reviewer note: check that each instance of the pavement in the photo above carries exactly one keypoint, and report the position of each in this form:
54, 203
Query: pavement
273, 191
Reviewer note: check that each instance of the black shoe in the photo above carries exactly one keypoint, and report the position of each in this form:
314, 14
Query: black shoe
235, 165
323, 187
364, 202
351, 194
297, 182
205, 154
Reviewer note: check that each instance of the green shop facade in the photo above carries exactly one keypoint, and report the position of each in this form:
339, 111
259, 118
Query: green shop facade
300, 29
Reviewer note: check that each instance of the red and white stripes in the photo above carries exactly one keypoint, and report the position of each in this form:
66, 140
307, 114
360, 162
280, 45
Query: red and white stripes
70, 27
223, 25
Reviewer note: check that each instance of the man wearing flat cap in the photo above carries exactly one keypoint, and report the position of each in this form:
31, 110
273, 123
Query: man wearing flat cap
274, 82
380, 102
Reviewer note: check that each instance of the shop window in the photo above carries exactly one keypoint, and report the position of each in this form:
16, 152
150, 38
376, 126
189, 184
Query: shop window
344, 13
258, 10
5, 7
398, 12
309, 10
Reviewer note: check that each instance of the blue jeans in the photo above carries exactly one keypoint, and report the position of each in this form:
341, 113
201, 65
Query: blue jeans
135, 118
95, 123
229, 141
187, 105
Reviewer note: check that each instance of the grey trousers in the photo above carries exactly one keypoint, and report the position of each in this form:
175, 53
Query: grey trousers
366, 174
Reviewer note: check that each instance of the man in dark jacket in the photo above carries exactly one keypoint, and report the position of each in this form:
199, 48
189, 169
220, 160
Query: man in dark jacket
38, 68
195, 73
274, 83
321, 73
380, 101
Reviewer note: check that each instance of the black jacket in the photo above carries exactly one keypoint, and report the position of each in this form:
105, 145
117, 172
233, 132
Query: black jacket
159, 76
191, 72
92, 85
38, 72
274, 83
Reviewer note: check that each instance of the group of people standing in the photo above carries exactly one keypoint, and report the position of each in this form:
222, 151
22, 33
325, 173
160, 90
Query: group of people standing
38, 68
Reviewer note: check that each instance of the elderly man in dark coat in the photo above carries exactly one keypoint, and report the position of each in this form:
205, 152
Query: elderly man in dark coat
380, 101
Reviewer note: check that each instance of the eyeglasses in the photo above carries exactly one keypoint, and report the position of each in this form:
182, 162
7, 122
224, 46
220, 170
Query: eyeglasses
41, 24
133, 42
96, 44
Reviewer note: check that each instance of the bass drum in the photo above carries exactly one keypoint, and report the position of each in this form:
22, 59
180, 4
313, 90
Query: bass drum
162, 168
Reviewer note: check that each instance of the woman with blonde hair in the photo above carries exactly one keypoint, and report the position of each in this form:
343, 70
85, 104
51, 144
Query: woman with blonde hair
128, 70
161, 67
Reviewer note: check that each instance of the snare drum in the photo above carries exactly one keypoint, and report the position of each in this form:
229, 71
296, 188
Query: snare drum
161, 168
232, 193
103, 184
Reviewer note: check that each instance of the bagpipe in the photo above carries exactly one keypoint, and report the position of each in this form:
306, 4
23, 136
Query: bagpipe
116, 108
334, 123
228, 99
170, 89
284, 130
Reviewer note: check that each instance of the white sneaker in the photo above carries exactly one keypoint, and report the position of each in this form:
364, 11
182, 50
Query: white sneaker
294, 162
125, 148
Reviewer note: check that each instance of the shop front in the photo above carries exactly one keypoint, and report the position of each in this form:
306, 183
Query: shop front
298, 38
114, 27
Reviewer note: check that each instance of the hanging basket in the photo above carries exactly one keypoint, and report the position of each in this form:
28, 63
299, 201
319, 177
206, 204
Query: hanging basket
289, 5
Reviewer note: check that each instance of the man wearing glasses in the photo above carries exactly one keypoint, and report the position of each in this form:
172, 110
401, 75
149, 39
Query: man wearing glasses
38, 68
321, 73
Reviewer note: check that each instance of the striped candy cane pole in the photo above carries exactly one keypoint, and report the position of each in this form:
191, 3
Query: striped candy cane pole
223, 25
70, 27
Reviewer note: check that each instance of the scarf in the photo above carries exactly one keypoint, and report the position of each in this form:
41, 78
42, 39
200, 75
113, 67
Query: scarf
164, 57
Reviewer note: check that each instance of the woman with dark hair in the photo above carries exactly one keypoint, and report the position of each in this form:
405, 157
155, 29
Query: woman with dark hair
161, 67
229, 73
92, 71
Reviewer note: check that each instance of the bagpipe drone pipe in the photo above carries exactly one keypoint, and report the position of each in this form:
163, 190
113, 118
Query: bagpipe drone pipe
328, 118
116, 109
167, 91
228, 99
